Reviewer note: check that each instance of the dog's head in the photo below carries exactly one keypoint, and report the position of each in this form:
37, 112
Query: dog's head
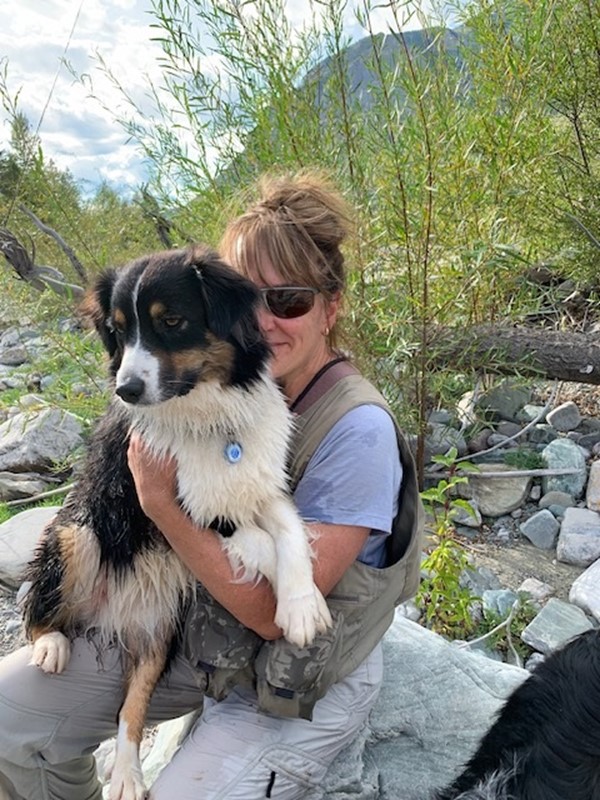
174, 319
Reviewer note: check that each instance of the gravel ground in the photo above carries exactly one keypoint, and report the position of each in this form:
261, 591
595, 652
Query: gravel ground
11, 634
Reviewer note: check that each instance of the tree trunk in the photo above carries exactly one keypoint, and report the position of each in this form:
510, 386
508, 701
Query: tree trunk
559, 355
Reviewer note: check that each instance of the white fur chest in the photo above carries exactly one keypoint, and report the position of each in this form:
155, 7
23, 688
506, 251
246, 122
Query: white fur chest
230, 445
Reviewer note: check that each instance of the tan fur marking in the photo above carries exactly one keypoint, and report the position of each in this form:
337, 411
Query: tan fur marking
67, 539
142, 681
40, 630
157, 309
215, 361
119, 318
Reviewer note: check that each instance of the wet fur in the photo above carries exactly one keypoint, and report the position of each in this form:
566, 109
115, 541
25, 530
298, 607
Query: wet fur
190, 372
545, 743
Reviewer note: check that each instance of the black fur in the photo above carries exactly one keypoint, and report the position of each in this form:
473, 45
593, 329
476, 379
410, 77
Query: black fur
545, 744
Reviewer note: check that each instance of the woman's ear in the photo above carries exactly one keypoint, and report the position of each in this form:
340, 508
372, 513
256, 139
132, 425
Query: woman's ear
331, 309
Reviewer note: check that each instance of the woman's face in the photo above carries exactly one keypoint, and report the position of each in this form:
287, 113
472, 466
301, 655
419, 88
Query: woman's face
299, 345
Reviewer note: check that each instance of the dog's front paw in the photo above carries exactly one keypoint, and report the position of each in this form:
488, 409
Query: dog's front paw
51, 652
126, 782
301, 617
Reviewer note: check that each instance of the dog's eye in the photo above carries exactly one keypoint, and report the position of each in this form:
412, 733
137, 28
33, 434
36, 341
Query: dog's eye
172, 322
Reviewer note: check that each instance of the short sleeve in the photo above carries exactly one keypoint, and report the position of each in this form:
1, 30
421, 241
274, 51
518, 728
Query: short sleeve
354, 476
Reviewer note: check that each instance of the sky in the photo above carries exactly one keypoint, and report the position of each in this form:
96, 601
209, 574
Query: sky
79, 132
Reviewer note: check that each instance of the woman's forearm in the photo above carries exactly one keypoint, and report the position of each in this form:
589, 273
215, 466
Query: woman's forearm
252, 603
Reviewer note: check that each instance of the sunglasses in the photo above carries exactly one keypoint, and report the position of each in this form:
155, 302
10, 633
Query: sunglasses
288, 302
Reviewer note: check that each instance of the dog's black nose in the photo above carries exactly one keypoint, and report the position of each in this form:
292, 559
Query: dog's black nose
132, 390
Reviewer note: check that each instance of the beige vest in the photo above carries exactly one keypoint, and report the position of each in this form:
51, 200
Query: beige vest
290, 680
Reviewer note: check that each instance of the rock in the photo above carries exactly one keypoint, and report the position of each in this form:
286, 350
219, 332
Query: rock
19, 536
16, 485
585, 591
565, 417
529, 412
589, 440
504, 401
509, 429
421, 730
37, 440
479, 441
498, 439
592, 495
498, 602
556, 623
496, 497
462, 516
441, 416
410, 610
565, 454
169, 737
562, 499
579, 538
542, 434
537, 590
441, 438
14, 356
541, 529
479, 581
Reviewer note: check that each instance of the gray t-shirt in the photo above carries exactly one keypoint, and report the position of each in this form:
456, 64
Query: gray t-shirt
353, 478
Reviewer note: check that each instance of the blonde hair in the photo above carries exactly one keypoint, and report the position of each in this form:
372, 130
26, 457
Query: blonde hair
297, 225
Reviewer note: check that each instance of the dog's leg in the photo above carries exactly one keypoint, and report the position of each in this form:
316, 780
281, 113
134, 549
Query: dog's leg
301, 608
127, 781
251, 552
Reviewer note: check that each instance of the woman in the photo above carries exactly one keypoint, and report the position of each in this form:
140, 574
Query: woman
282, 715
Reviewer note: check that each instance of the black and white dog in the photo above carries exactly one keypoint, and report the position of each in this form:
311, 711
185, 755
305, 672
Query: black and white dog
545, 744
191, 376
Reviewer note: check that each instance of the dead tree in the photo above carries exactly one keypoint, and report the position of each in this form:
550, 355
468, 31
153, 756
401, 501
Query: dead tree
41, 277
551, 354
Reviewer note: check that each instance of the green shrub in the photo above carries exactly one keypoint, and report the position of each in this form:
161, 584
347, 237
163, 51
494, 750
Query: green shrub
446, 603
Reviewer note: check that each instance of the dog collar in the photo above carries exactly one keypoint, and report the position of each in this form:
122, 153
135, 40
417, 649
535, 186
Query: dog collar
233, 452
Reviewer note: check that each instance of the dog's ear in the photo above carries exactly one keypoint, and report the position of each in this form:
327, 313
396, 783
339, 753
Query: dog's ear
228, 296
95, 306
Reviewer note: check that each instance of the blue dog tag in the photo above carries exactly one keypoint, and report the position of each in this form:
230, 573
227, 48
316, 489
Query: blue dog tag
233, 452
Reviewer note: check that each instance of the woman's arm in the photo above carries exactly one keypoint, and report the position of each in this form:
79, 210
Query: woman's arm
253, 604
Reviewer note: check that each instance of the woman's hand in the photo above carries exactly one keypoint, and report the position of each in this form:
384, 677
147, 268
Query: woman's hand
155, 480
199, 548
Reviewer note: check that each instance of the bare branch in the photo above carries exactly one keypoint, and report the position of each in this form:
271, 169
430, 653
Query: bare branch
68, 251
40, 277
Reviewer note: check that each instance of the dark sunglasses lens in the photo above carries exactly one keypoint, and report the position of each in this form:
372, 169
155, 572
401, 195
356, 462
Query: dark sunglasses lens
289, 303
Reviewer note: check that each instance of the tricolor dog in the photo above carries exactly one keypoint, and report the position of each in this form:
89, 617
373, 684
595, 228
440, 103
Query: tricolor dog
190, 371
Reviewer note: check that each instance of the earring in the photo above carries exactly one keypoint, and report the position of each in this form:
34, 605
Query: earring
327, 331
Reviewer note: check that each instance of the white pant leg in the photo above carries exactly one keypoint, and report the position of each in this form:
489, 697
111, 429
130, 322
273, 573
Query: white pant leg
51, 724
234, 752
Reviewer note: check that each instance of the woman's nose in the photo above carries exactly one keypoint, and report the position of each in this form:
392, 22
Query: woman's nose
266, 320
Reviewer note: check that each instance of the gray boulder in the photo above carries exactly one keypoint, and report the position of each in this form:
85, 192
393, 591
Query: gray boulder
33, 441
495, 497
579, 538
18, 537
565, 454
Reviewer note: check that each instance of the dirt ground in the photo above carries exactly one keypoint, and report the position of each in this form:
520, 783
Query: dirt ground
519, 560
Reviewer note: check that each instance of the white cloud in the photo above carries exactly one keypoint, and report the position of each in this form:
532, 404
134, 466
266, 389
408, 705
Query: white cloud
77, 131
